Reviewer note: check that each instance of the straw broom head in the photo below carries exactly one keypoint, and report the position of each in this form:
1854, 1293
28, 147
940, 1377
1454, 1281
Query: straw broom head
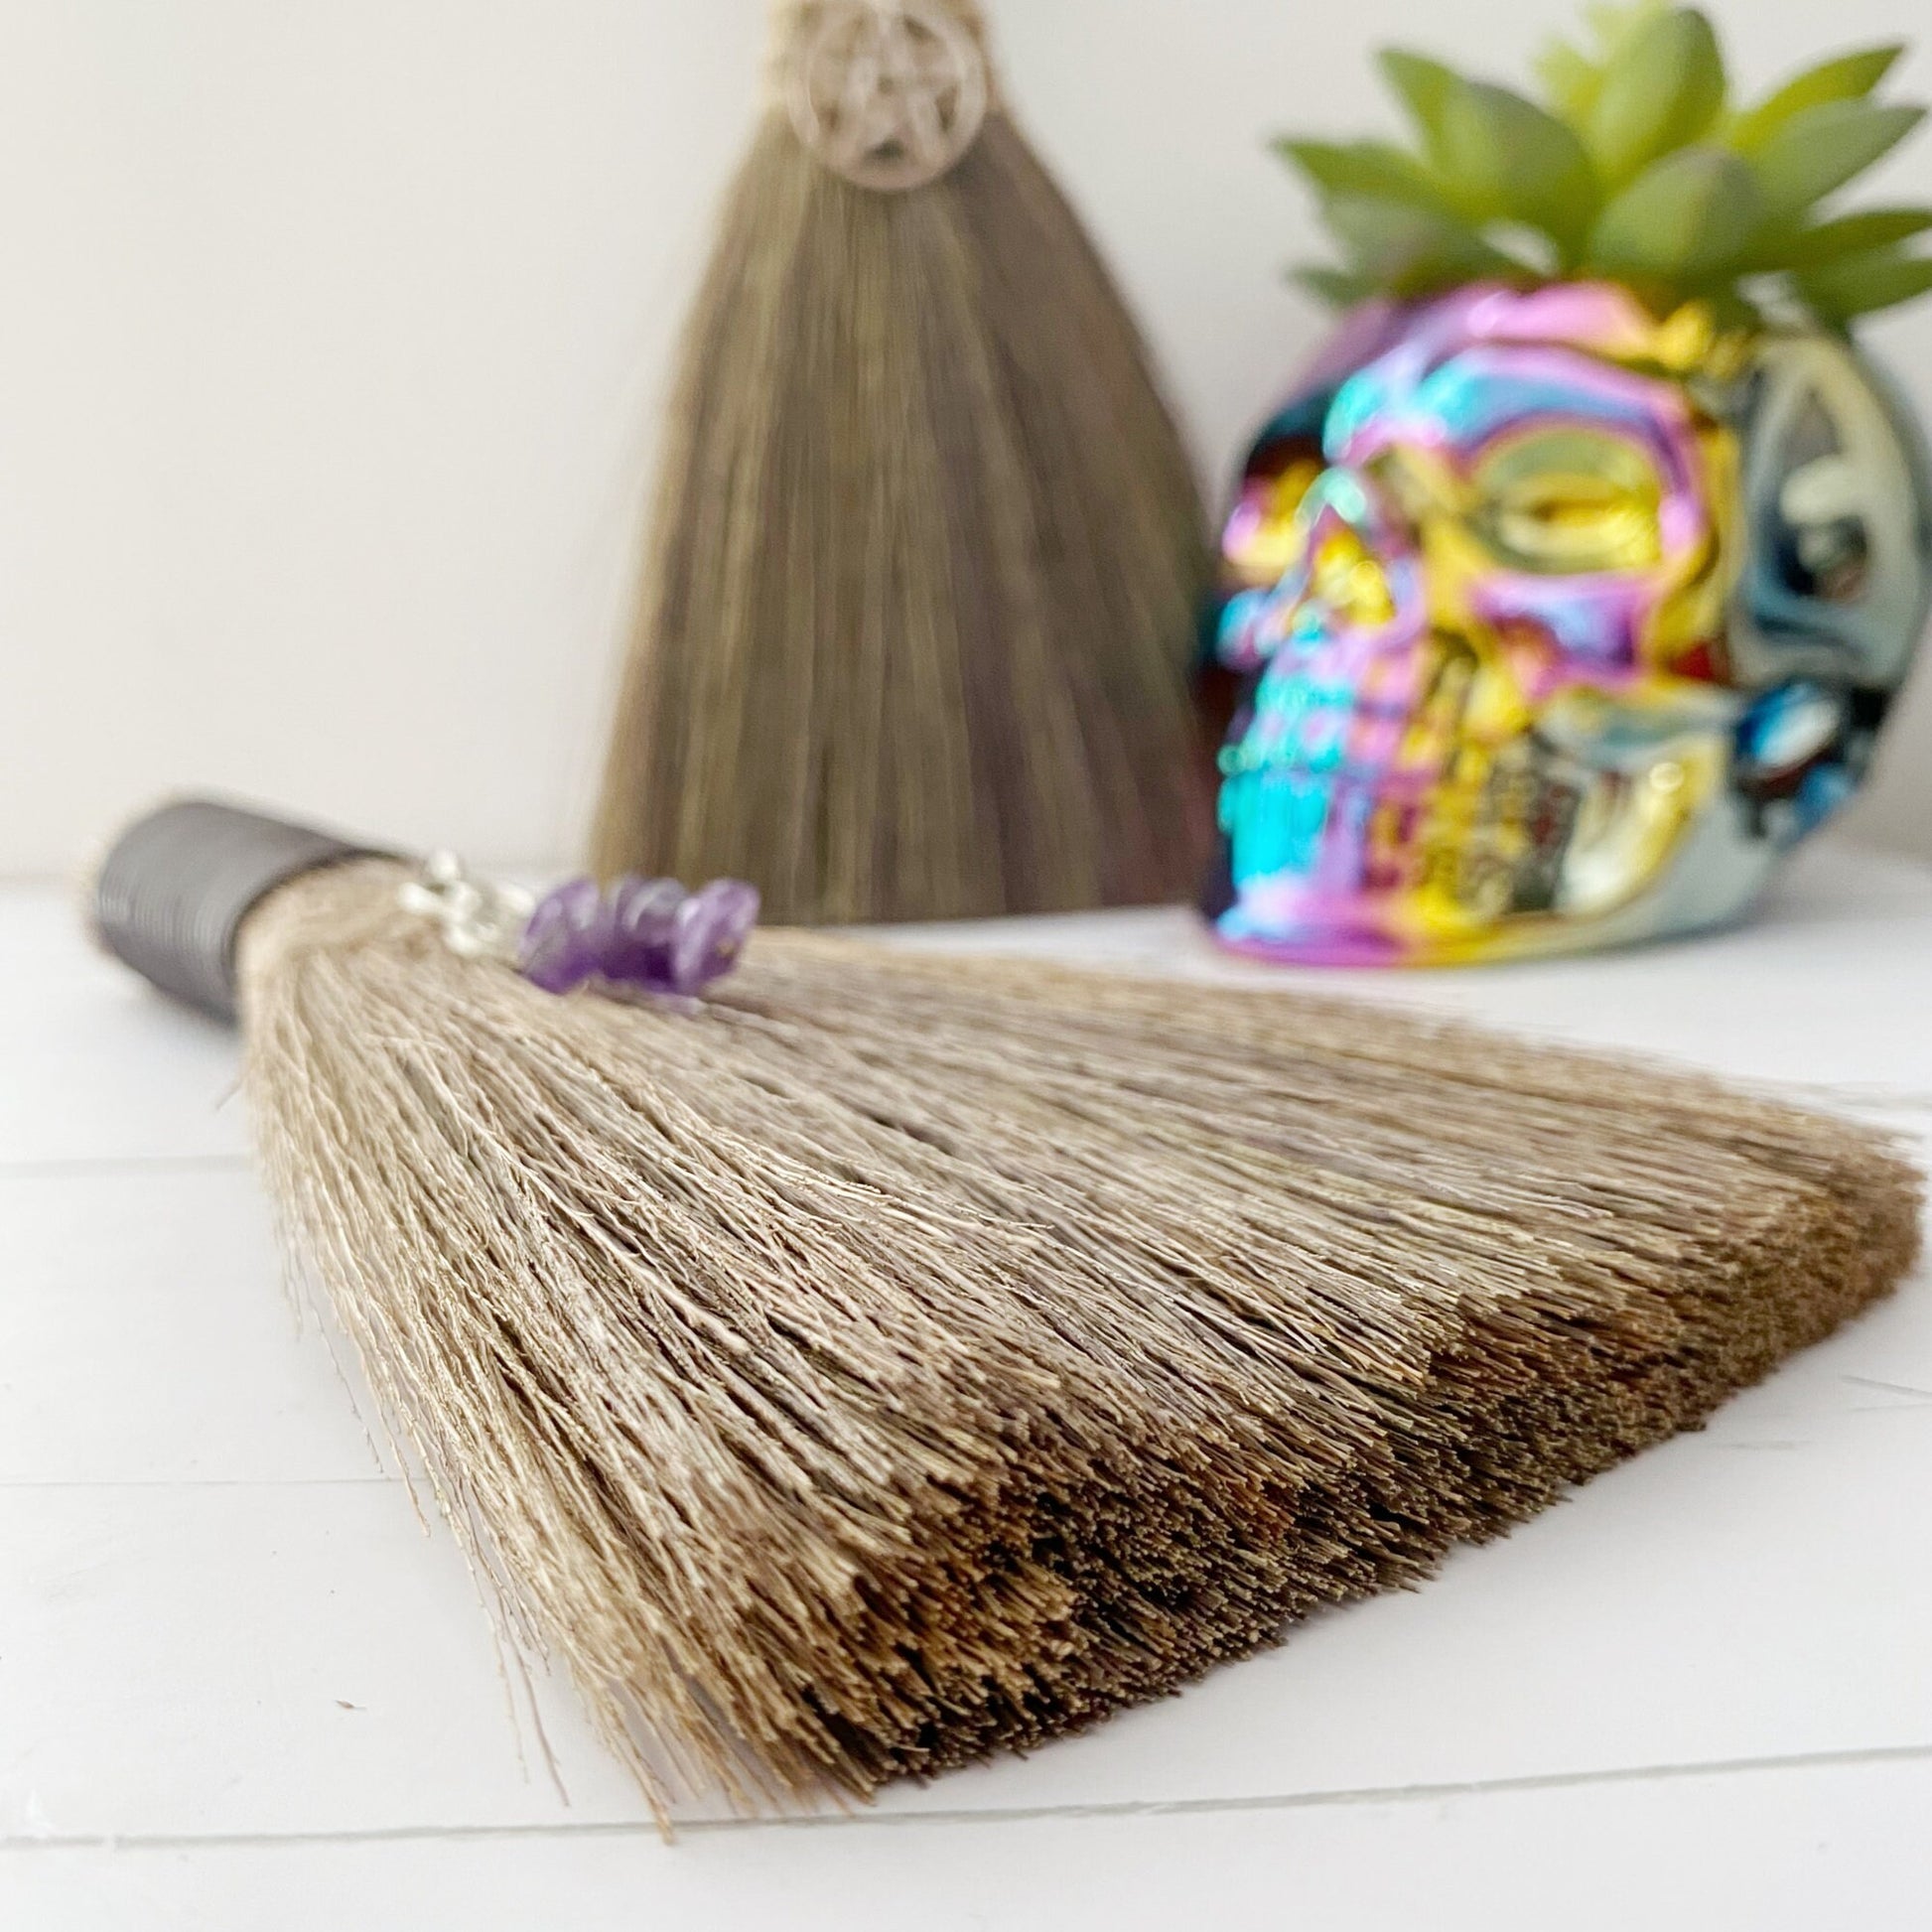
886, 1359
926, 553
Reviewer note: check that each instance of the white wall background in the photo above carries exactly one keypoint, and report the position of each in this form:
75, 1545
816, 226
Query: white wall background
332, 333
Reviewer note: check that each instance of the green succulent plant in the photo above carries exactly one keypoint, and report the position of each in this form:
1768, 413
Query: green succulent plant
1635, 167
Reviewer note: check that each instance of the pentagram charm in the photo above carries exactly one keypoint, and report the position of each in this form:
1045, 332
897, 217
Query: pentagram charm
888, 93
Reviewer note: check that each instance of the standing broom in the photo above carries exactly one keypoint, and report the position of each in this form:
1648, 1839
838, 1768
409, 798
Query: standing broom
928, 555
858, 1360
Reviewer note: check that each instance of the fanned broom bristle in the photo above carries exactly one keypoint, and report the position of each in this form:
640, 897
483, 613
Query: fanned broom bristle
891, 1358
1636, 169
925, 562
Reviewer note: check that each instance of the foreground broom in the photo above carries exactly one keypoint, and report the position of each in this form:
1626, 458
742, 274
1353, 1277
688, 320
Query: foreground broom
882, 1358
926, 558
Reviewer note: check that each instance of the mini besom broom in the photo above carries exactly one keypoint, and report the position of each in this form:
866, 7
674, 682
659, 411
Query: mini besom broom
850, 1360
926, 559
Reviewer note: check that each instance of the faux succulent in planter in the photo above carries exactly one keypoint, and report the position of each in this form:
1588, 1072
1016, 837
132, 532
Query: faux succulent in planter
1574, 584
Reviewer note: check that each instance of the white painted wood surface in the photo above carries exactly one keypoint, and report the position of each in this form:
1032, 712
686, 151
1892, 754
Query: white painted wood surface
242, 1689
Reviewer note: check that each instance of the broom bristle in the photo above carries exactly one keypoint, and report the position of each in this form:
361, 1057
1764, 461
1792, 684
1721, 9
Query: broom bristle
925, 564
891, 1359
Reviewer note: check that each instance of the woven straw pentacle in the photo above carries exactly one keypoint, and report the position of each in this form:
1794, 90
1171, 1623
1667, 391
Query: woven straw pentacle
888, 93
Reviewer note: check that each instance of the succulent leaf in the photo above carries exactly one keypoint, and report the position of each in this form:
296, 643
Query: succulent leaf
1569, 81
1821, 148
1663, 89
1571, 76
1425, 87
1409, 250
1851, 77
1614, 23
1376, 168
1684, 219
1862, 285
1336, 286
1506, 159
1832, 242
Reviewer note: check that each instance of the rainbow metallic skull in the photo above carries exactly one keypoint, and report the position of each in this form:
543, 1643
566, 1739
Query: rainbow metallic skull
1560, 624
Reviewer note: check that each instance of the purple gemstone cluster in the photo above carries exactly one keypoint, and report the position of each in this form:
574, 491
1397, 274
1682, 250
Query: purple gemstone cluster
646, 934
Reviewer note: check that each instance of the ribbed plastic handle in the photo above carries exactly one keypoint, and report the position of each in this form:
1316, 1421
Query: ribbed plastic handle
169, 898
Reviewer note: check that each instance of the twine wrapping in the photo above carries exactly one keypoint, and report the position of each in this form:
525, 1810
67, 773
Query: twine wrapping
888, 93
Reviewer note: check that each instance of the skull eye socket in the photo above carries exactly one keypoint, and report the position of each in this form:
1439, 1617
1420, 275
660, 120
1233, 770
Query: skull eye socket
1568, 502
1263, 538
1820, 545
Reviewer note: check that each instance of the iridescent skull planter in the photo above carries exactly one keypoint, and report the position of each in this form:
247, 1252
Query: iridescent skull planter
1561, 624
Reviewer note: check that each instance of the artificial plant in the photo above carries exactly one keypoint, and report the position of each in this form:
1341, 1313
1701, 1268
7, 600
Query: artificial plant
1638, 167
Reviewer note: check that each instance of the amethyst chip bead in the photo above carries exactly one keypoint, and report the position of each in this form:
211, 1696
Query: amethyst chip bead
649, 934
561, 944
709, 931
639, 917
